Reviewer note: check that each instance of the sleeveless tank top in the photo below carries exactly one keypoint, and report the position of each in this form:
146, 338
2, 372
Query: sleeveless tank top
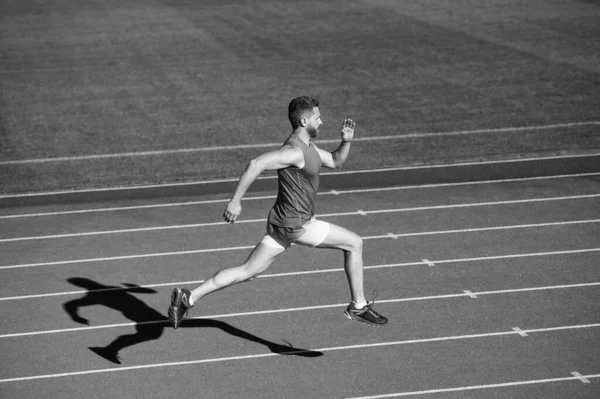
295, 204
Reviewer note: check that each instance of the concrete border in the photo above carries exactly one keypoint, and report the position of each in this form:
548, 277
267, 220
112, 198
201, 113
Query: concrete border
429, 174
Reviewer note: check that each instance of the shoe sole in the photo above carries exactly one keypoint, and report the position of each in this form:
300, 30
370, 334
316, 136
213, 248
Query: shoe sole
352, 317
175, 303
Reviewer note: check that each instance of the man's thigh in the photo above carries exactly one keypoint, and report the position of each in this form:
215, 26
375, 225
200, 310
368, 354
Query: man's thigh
313, 233
262, 256
340, 238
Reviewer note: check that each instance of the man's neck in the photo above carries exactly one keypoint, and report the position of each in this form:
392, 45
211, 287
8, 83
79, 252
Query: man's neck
302, 135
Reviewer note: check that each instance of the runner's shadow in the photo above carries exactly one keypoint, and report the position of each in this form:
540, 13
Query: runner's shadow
149, 323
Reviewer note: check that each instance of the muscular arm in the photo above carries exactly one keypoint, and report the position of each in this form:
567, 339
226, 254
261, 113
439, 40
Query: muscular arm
336, 158
282, 158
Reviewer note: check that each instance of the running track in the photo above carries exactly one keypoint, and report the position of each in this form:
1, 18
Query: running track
492, 290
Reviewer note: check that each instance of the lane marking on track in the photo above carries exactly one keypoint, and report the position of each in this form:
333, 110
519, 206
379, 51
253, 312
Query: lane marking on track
358, 212
328, 349
278, 144
299, 309
473, 230
270, 197
210, 250
581, 378
478, 387
309, 272
183, 184
520, 332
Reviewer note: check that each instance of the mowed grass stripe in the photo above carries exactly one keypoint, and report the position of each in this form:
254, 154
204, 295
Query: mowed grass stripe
269, 145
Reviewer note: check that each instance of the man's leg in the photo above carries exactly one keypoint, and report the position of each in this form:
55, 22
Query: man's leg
351, 244
338, 237
258, 261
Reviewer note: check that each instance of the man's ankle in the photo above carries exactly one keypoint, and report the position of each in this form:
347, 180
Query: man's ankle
360, 304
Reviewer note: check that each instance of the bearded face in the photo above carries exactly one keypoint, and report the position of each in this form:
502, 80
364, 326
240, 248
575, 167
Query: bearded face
313, 123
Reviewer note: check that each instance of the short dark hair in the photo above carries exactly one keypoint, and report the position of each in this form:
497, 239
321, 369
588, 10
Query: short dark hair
298, 107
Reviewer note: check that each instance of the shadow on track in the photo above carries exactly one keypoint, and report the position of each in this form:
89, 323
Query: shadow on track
149, 322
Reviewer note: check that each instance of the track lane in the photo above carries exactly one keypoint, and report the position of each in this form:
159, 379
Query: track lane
561, 306
402, 197
223, 235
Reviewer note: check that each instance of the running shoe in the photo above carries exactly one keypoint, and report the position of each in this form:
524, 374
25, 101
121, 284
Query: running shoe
365, 315
179, 306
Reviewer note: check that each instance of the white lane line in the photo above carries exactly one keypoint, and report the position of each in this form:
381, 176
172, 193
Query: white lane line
269, 145
581, 378
477, 204
328, 349
122, 231
305, 308
520, 332
198, 251
358, 212
126, 257
477, 387
133, 208
331, 192
365, 171
473, 230
309, 272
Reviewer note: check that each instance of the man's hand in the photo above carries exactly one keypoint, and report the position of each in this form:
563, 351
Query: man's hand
348, 130
233, 210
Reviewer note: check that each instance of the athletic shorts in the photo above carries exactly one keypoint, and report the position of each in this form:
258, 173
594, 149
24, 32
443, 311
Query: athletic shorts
310, 234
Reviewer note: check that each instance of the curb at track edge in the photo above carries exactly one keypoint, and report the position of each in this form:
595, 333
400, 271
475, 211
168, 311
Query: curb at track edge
417, 175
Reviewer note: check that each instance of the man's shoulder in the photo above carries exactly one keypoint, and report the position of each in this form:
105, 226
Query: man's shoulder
291, 147
291, 154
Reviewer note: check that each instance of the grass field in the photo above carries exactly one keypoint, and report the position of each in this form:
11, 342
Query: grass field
108, 77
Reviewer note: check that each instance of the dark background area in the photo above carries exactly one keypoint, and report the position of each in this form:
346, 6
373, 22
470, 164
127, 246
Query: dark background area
82, 78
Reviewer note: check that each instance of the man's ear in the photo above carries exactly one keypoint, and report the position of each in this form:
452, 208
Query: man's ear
303, 122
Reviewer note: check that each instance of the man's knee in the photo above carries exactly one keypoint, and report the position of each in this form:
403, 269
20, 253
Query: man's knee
356, 244
252, 270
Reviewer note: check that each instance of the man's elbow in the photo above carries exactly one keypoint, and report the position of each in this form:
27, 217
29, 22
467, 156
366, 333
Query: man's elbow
337, 163
255, 166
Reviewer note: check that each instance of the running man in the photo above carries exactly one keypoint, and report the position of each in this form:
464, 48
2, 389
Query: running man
292, 218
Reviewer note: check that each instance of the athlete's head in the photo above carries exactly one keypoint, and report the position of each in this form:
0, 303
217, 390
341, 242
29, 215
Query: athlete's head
304, 112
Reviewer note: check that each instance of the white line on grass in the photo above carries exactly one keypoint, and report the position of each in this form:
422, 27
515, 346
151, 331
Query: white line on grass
270, 197
478, 387
199, 251
305, 308
329, 349
269, 145
358, 212
309, 272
